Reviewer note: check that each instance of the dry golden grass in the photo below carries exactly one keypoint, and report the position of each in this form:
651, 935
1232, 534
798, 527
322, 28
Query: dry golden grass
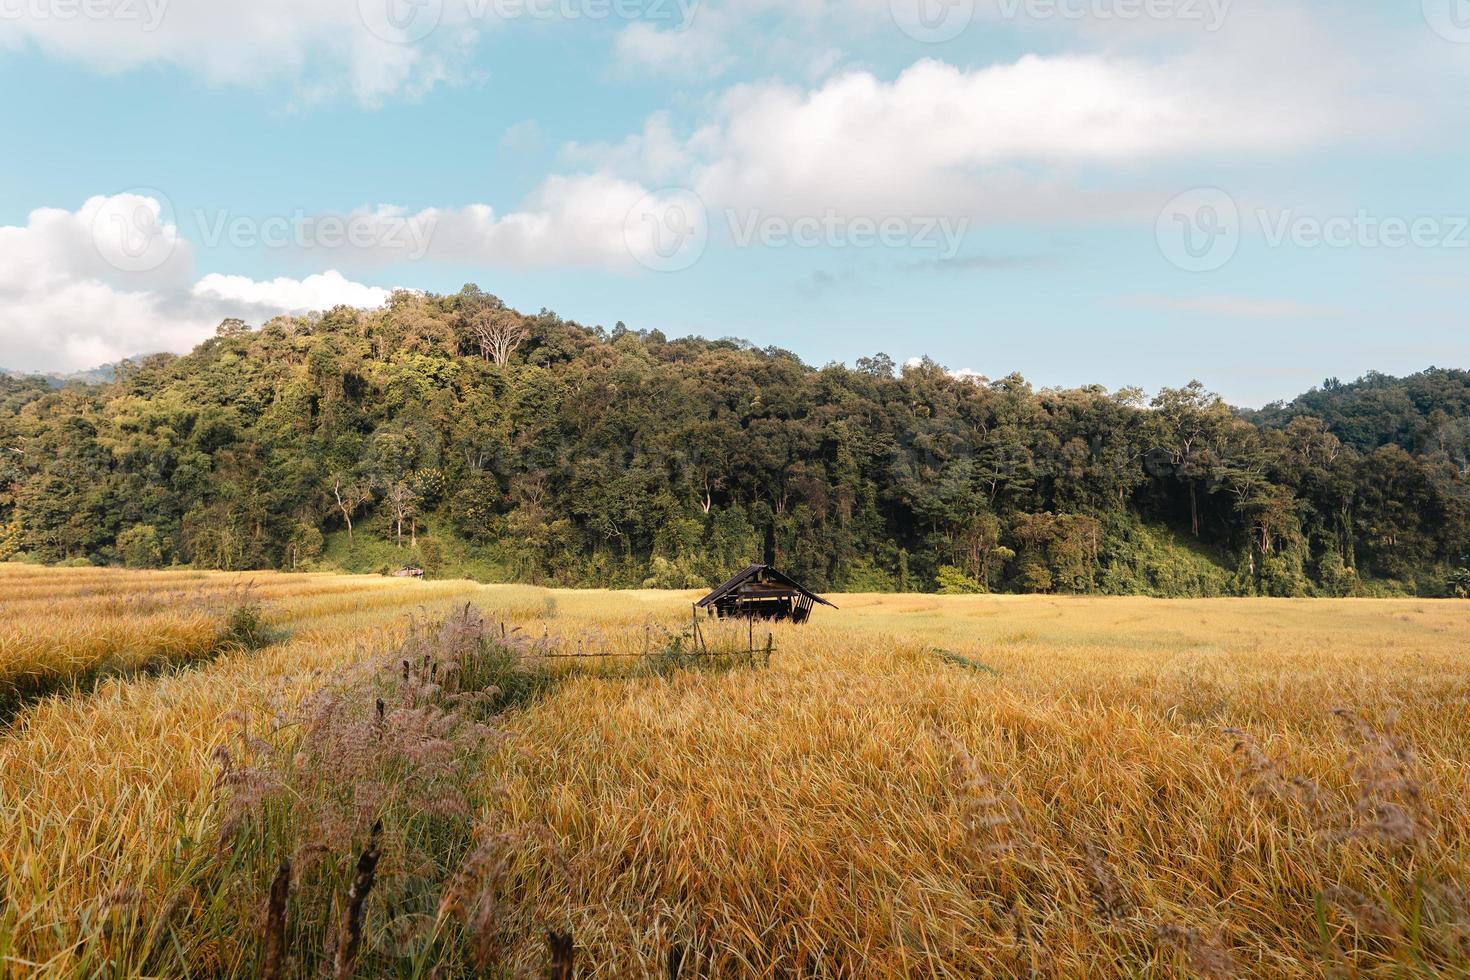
99, 791
1101, 787
68, 637
813, 819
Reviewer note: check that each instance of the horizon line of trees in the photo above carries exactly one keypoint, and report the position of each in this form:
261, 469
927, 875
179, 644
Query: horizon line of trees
460, 429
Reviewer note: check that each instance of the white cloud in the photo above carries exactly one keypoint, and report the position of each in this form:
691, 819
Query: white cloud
100, 241
939, 138
568, 221
114, 279
317, 292
1060, 139
1097, 133
1098, 129
324, 46
1267, 50
79, 325
1063, 138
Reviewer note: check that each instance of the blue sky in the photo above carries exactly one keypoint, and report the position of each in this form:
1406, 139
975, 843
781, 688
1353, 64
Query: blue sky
1125, 192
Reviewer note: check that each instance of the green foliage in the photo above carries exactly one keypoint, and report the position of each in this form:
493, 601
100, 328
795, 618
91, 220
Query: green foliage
666, 574
1282, 576
9, 540
1458, 583
578, 456
1378, 410
456, 558
865, 576
305, 546
1336, 578
139, 547
431, 555
953, 581
1036, 577
1153, 561
246, 628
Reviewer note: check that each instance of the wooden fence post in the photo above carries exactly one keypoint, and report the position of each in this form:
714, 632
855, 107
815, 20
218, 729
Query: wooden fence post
561, 965
275, 924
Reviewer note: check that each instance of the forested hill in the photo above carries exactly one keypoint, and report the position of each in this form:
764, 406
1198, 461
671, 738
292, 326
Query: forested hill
1422, 413
456, 434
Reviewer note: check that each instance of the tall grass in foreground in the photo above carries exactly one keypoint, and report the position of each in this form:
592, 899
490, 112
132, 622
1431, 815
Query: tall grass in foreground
360, 808
354, 812
101, 793
361, 815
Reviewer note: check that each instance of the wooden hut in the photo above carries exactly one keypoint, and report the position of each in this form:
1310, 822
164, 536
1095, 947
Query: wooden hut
761, 592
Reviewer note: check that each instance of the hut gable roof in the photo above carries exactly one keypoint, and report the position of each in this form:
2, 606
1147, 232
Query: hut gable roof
765, 575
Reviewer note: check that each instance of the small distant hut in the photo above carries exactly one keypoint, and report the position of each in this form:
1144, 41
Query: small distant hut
409, 571
761, 592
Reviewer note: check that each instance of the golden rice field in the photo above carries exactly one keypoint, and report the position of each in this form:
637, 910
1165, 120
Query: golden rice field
915, 786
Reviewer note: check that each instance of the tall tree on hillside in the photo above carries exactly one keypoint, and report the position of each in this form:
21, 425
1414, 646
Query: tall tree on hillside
1451, 438
1191, 421
402, 503
349, 497
499, 333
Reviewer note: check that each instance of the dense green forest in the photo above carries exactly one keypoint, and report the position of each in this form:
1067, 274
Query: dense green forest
456, 434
